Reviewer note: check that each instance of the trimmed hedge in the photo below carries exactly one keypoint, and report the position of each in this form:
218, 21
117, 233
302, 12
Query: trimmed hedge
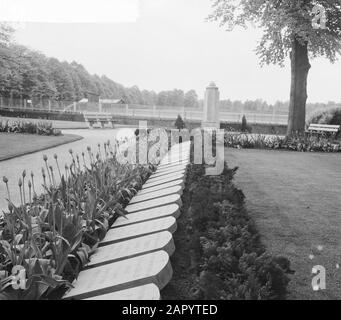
43, 114
330, 116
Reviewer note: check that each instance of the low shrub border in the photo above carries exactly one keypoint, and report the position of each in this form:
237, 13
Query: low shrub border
219, 253
43, 129
43, 114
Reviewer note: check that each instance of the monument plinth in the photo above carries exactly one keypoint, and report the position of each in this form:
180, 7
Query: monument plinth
211, 108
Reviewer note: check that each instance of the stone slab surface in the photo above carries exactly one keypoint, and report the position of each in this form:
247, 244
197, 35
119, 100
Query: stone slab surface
176, 155
167, 172
139, 229
151, 214
179, 182
130, 248
156, 182
150, 268
165, 176
176, 152
171, 169
147, 292
178, 148
167, 164
156, 194
174, 162
174, 198
175, 158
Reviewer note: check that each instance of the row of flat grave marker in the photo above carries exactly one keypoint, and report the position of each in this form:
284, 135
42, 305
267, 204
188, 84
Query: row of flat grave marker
132, 262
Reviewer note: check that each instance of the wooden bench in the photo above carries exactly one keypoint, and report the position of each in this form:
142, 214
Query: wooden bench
324, 129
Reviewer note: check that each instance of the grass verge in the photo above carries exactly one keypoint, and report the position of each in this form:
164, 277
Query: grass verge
15, 145
294, 199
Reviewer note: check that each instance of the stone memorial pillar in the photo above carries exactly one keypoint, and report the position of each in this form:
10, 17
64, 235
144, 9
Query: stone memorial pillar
211, 108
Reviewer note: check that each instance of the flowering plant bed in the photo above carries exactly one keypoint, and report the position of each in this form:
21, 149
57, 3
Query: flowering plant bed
48, 239
301, 143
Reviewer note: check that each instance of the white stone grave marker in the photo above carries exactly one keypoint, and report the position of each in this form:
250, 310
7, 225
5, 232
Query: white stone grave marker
171, 171
165, 176
150, 268
150, 214
174, 198
156, 194
139, 229
156, 182
179, 182
134, 247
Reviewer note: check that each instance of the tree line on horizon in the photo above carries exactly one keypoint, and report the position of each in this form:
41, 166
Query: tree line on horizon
28, 74
279, 107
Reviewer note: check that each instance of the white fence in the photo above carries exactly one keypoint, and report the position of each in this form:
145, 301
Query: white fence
157, 112
198, 115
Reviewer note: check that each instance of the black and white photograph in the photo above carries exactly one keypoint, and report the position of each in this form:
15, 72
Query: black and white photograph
170, 154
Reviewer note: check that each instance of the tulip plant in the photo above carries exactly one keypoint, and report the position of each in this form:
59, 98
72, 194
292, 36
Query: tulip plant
46, 240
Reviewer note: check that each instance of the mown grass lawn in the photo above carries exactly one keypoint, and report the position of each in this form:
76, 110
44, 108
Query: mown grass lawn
295, 199
12, 144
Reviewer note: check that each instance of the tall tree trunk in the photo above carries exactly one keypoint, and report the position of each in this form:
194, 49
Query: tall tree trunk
298, 92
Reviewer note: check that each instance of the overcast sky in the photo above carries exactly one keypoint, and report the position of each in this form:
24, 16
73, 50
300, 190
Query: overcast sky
161, 45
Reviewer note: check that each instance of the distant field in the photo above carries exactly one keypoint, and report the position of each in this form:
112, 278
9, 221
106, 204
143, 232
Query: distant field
14, 145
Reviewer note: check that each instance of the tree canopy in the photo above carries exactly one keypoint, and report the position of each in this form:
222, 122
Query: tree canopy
300, 28
25, 73
281, 20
